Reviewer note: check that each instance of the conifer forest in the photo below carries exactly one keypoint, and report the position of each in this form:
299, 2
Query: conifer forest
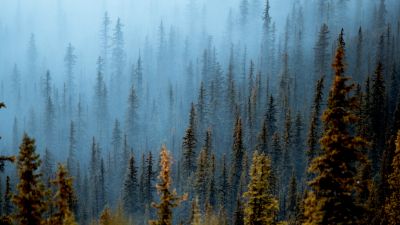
199, 112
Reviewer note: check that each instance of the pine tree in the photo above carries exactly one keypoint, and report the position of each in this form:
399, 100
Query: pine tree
260, 206
30, 190
105, 217
392, 205
189, 145
116, 143
132, 119
168, 199
276, 149
238, 151
378, 117
105, 38
332, 201
7, 205
71, 160
270, 116
286, 163
117, 56
201, 177
238, 215
65, 199
211, 199
70, 61
321, 55
149, 177
291, 205
4, 159
195, 214
358, 72
224, 186
314, 130
262, 139
298, 154
130, 191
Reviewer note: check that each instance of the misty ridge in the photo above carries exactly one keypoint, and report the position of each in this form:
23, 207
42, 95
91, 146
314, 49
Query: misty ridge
254, 111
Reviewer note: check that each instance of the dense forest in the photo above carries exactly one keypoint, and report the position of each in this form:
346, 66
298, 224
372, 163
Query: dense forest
200, 112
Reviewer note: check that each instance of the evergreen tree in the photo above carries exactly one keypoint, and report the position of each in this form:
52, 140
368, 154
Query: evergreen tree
117, 57
149, 177
260, 207
195, 214
223, 187
105, 217
29, 199
378, 117
332, 201
168, 199
211, 199
189, 145
321, 57
238, 151
276, 151
238, 215
71, 160
270, 116
262, 139
201, 177
292, 204
132, 117
358, 72
314, 129
105, 38
298, 154
65, 199
8, 208
130, 191
70, 61
116, 143
392, 205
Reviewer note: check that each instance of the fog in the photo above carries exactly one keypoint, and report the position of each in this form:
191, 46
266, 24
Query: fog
34, 36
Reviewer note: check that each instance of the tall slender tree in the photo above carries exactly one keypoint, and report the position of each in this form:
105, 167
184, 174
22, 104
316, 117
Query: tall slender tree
332, 200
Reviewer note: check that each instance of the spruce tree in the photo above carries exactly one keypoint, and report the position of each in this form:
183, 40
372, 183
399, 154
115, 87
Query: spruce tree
260, 206
65, 199
224, 186
4, 159
238, 151
392, 206
321, 56
270, 116
29, 199
291, 205
314, 129
378, 117
131, 118
130, 188
105, 217
189, 145
262, 139
332, 200
211, 199
7, 205
168, 198
195, 214
71, 160
201, 177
